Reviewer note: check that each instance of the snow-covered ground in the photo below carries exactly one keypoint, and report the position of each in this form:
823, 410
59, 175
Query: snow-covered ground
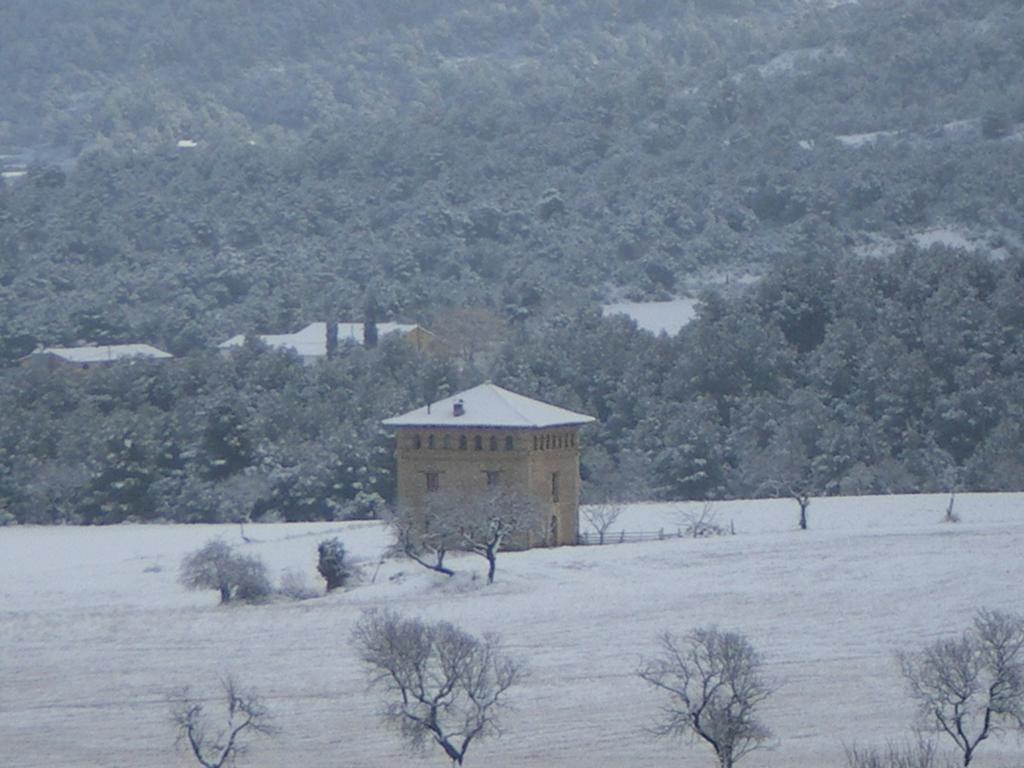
95, 632
657, 316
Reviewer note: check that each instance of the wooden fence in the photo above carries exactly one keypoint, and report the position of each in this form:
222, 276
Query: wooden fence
587, 538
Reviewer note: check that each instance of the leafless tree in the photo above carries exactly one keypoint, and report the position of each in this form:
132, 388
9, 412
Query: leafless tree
426, 535
479, 523
715, 684
487, 523
217, 745
802, 497
443, 685
601, 517
951, 516
971, 687
702, 524
217, 566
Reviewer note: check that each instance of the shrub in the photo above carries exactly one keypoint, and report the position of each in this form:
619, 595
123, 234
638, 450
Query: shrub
296, 586
331, 564
921, 754
217, 566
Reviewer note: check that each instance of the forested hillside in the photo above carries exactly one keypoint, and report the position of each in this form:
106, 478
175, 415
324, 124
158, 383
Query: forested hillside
834, 376
496, 170
439, 150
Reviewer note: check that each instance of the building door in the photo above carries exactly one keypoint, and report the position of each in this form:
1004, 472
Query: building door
553, 532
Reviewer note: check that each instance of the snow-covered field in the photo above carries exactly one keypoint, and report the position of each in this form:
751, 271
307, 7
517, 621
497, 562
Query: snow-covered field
95, 633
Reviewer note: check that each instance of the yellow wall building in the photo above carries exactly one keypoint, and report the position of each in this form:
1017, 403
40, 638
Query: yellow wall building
486, 437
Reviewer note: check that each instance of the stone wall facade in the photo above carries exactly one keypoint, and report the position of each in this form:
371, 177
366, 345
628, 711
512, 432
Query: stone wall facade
543, 463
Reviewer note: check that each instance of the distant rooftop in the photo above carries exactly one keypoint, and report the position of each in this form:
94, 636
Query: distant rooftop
311, 341
104, 353
488, 405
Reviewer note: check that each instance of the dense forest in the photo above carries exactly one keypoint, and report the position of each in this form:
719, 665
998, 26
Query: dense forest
496, 170
835, 375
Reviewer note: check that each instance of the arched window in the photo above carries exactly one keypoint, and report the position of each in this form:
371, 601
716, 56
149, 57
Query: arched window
446, 442
494, 443
417, 443
478, 443
430, 441
510, 443
463, 442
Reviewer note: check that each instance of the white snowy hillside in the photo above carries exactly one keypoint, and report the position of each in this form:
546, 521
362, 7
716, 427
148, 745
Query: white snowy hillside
96, 633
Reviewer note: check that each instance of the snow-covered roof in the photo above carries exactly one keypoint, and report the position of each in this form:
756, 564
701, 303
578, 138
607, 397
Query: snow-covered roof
311, 341
104, 353
488, 405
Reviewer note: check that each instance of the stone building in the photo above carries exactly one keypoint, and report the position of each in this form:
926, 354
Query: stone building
313, 343
487, 437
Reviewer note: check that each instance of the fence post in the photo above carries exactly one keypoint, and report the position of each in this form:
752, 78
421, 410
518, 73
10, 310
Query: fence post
622, 536
661, 534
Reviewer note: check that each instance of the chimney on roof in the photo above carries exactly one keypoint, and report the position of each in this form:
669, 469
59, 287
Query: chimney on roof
458, 408
331, 347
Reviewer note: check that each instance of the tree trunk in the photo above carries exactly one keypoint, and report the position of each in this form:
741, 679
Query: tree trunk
804, 501
492, 562
225, 594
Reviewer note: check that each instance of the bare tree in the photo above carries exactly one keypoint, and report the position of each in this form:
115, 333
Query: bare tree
215, 746
217, 566
714, 684
971, 687
601, 517
443, 685
700, 525
487, 523
479, 523
802, 497
951, 516
426, 535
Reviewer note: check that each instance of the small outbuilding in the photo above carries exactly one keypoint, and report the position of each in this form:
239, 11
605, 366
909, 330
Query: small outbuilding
84, 358
485, 437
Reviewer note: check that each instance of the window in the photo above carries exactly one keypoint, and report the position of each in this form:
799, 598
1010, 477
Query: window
417, 443
478, 443
433, 481
494, 443
463, 442
510, 443
554, 486
430, 441
446, 442
535, 442
493, 477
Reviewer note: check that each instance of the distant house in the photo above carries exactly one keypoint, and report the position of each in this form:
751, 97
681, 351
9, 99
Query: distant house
485, 437
310, 343
83, 358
